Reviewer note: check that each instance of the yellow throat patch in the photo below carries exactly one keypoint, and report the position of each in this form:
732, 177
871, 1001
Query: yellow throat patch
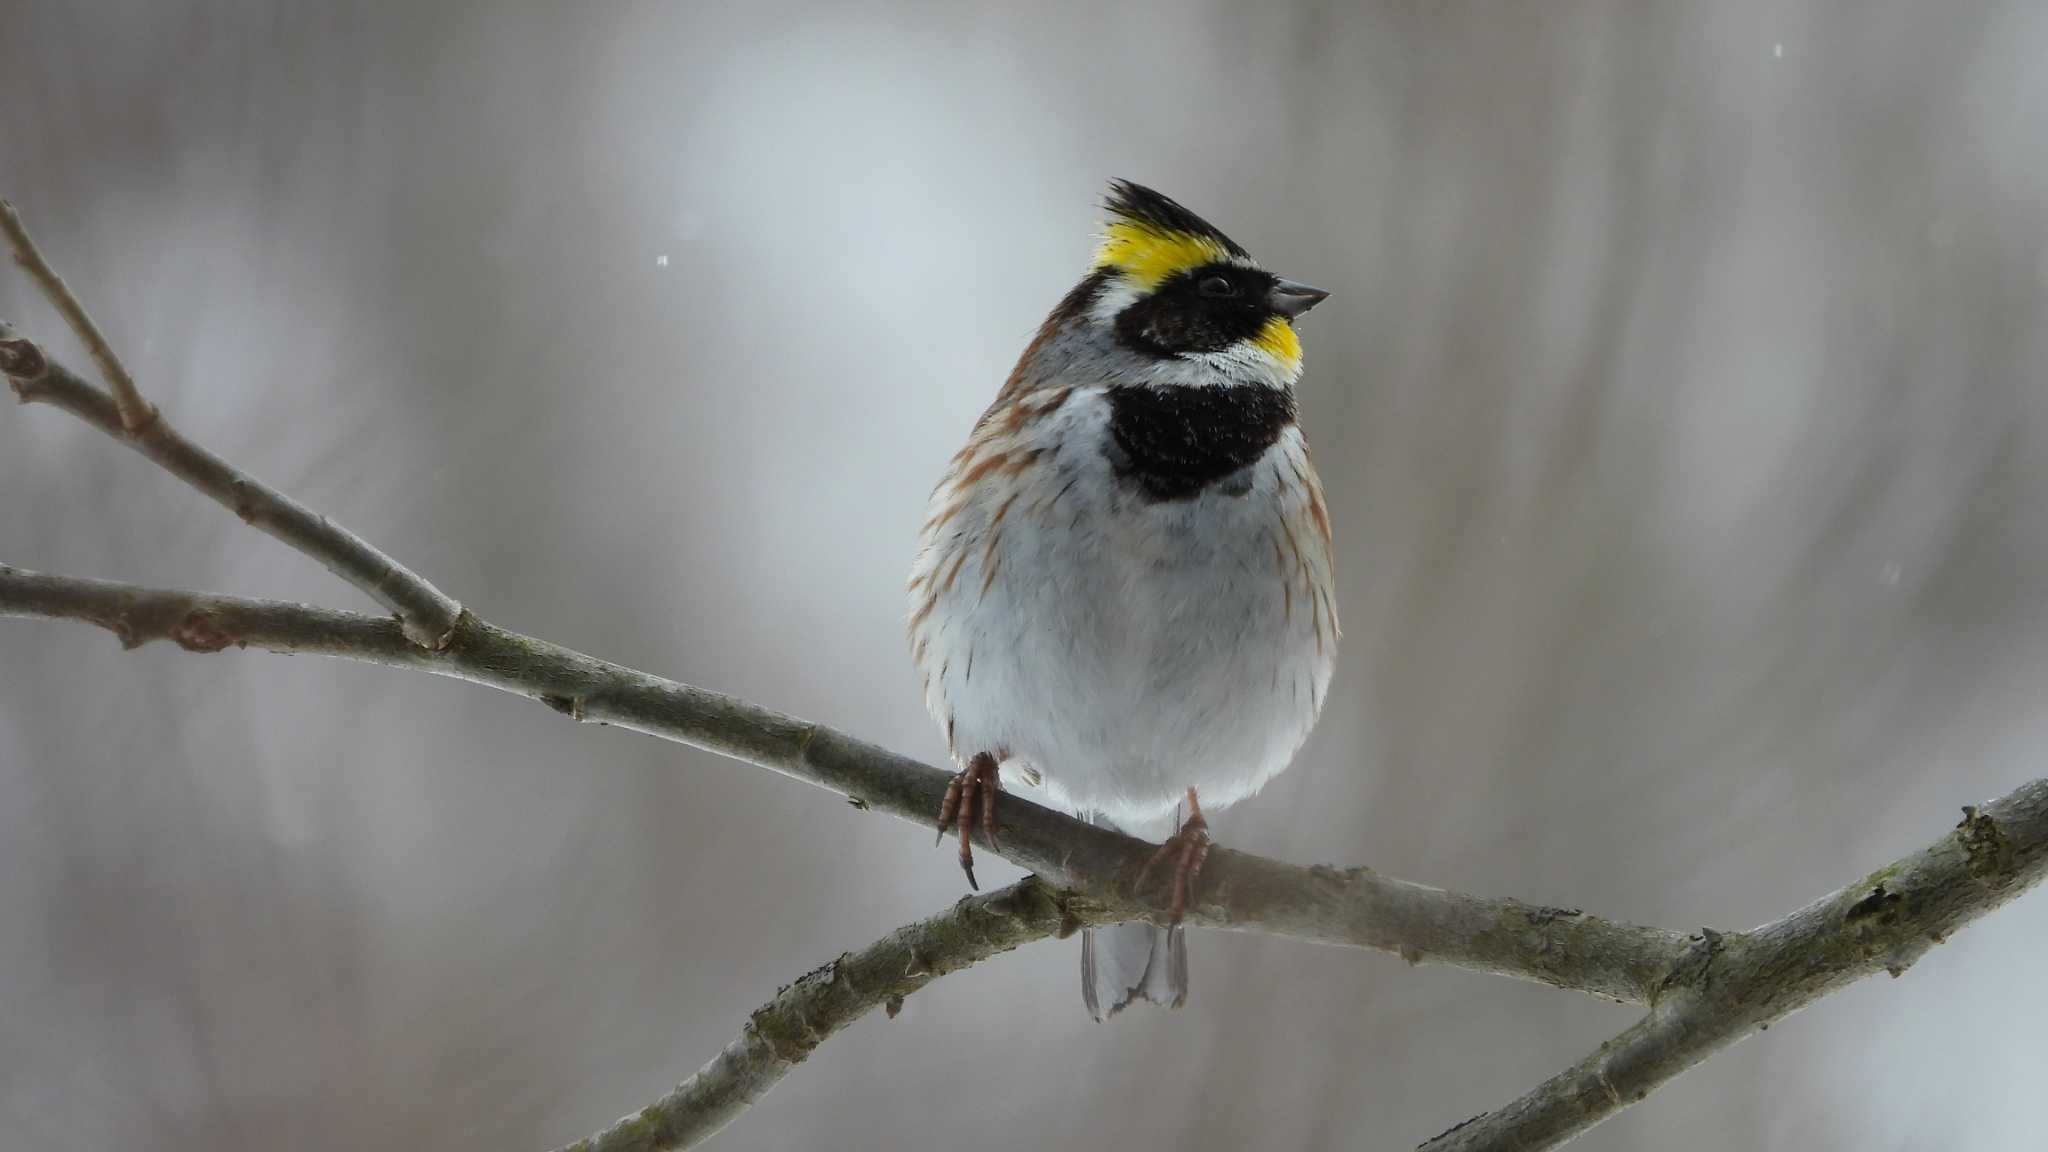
1149, 254
1278, 340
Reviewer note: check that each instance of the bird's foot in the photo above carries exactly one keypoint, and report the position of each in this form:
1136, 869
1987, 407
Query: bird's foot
971, 797
1187, 848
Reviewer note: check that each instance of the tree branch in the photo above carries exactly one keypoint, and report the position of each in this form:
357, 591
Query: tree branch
1704, 991
136, 413
1736, 984
429, 613
1357, 907
781, 1034
1561, 947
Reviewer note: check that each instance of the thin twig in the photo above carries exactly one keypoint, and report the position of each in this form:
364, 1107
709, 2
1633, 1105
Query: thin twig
1741, 983
782, 1033
137, 414
428, 614
1565, 948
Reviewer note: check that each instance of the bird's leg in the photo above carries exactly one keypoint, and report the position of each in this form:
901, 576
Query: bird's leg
1188, 847
971, 797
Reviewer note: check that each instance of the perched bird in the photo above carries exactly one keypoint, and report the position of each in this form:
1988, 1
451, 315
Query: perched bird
1122, 590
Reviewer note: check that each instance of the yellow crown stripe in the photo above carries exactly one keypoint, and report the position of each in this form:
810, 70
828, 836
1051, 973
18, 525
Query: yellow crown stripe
1149, 255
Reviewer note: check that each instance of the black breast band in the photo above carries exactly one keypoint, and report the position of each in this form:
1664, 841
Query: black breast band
1173, 441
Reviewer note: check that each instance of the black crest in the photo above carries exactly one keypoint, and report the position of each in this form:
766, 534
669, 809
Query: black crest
1141, 205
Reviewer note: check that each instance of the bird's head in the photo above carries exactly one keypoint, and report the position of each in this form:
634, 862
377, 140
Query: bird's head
1190, 302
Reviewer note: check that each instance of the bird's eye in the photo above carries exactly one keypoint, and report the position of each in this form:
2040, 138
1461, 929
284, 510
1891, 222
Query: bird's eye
1216, 286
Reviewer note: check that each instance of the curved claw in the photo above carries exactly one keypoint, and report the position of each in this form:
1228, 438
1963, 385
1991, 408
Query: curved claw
1190, 848
971, 798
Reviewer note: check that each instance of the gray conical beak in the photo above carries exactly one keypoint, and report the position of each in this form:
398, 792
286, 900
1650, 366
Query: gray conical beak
1290, 299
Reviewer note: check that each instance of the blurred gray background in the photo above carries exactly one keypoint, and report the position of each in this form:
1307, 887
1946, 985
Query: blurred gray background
1681, 404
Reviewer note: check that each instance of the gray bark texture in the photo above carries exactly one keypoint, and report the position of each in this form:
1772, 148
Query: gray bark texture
1738, 983
784, 1031
1358, 907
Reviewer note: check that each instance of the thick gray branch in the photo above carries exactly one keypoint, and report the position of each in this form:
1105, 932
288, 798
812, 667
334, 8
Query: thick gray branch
1739, 983
1705, 991
1355, 906
782, 1033
428, 613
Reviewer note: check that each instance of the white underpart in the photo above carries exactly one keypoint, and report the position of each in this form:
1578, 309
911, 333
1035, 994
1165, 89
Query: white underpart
1241, 363
1126, 648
